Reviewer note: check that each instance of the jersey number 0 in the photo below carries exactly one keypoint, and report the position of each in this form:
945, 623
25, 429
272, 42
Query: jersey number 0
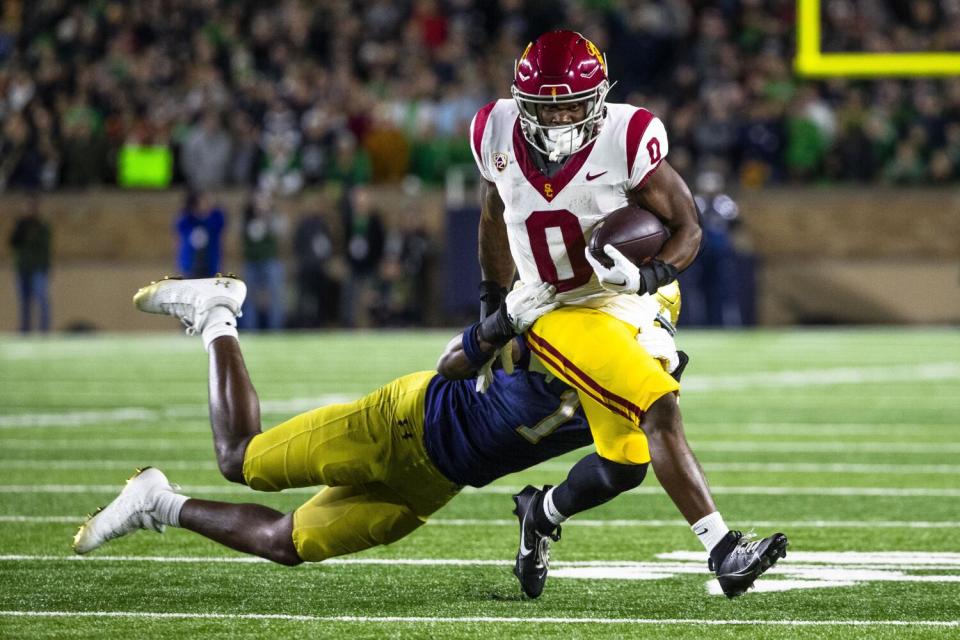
555, 235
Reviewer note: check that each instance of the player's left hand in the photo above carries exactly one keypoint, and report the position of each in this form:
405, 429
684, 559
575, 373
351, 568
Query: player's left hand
626, 277
527, 303
485, 375
659, 343
622, 277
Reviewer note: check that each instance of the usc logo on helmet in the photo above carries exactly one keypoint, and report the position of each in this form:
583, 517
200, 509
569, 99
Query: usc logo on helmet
523, 56
593, 51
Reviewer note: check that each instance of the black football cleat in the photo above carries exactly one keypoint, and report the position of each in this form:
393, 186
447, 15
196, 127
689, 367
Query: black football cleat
747, 561
533, 558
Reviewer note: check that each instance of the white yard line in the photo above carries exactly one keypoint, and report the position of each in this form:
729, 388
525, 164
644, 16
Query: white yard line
166, 615
775, 524
146, 414
684, 561
93, 464
919, 492
787, 467
800, 446
697, 424
846, 558
512, 522
820, 377
693, 384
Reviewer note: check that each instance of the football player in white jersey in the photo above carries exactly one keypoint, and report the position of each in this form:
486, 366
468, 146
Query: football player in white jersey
555, 160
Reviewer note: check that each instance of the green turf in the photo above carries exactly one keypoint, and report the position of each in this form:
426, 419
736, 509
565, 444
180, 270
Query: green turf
836, 429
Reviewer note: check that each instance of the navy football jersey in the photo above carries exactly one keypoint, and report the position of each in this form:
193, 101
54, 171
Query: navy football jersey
474, 438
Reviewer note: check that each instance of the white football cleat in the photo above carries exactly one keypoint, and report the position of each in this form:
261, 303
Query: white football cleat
129, 511
191, 300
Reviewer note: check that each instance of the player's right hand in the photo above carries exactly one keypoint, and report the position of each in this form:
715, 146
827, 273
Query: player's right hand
491, 295
528, 302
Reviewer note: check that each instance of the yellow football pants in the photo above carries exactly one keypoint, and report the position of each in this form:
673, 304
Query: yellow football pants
381, 485
617, 380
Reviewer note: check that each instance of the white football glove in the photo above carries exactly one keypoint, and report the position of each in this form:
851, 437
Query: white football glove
525, 305
659, 343
622, 277
528, 302
485, 375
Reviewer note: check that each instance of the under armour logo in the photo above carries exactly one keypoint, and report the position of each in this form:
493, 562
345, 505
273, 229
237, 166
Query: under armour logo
224, 283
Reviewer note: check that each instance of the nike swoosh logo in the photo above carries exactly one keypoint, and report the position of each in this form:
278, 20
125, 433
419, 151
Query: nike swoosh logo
523, 540
590, 177
701, 532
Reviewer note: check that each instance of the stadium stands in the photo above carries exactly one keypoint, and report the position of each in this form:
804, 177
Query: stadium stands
306, 92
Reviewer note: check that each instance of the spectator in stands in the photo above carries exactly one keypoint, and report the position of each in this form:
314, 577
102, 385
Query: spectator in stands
710, 285
364, 239
30, 242
404, 274
84, 147
19, 162
245, 156
317, 290
115, 71
350, 164
206, 154
280, 171
199, 229
263, 229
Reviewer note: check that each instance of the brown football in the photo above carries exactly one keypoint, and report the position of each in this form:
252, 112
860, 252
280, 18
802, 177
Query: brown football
637, 233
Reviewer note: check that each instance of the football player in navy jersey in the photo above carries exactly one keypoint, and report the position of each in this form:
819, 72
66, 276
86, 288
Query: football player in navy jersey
388, 460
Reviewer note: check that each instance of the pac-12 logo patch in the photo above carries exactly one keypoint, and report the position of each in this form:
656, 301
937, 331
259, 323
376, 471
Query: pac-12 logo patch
500, 161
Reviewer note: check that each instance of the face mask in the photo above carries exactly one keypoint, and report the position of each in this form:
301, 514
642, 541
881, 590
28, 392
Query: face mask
562, 141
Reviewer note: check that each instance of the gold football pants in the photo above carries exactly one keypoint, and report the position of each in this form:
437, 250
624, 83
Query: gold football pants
381, 485
616, 379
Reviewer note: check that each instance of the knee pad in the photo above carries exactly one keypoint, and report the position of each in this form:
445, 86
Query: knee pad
344, 520
617, 477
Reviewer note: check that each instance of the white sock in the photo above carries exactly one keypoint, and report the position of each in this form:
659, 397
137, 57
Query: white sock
167, 508
220, 321
710, 529
553, 515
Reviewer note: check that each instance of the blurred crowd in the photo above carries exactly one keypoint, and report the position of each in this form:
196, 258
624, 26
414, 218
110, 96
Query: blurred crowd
367, 274
284, 95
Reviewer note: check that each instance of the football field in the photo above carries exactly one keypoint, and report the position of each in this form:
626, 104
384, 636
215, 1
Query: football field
847, 440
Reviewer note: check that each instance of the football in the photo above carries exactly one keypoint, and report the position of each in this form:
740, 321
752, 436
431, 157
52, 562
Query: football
637, 233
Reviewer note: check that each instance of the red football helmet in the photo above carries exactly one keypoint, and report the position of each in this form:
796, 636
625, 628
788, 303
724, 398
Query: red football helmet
560, 67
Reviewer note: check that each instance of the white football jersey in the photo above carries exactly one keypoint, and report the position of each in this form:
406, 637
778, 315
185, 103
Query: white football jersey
550, 219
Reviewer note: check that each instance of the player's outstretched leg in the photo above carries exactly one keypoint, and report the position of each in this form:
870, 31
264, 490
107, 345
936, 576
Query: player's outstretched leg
234, 406
250, 528
210, 307
148, 501
737, 562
